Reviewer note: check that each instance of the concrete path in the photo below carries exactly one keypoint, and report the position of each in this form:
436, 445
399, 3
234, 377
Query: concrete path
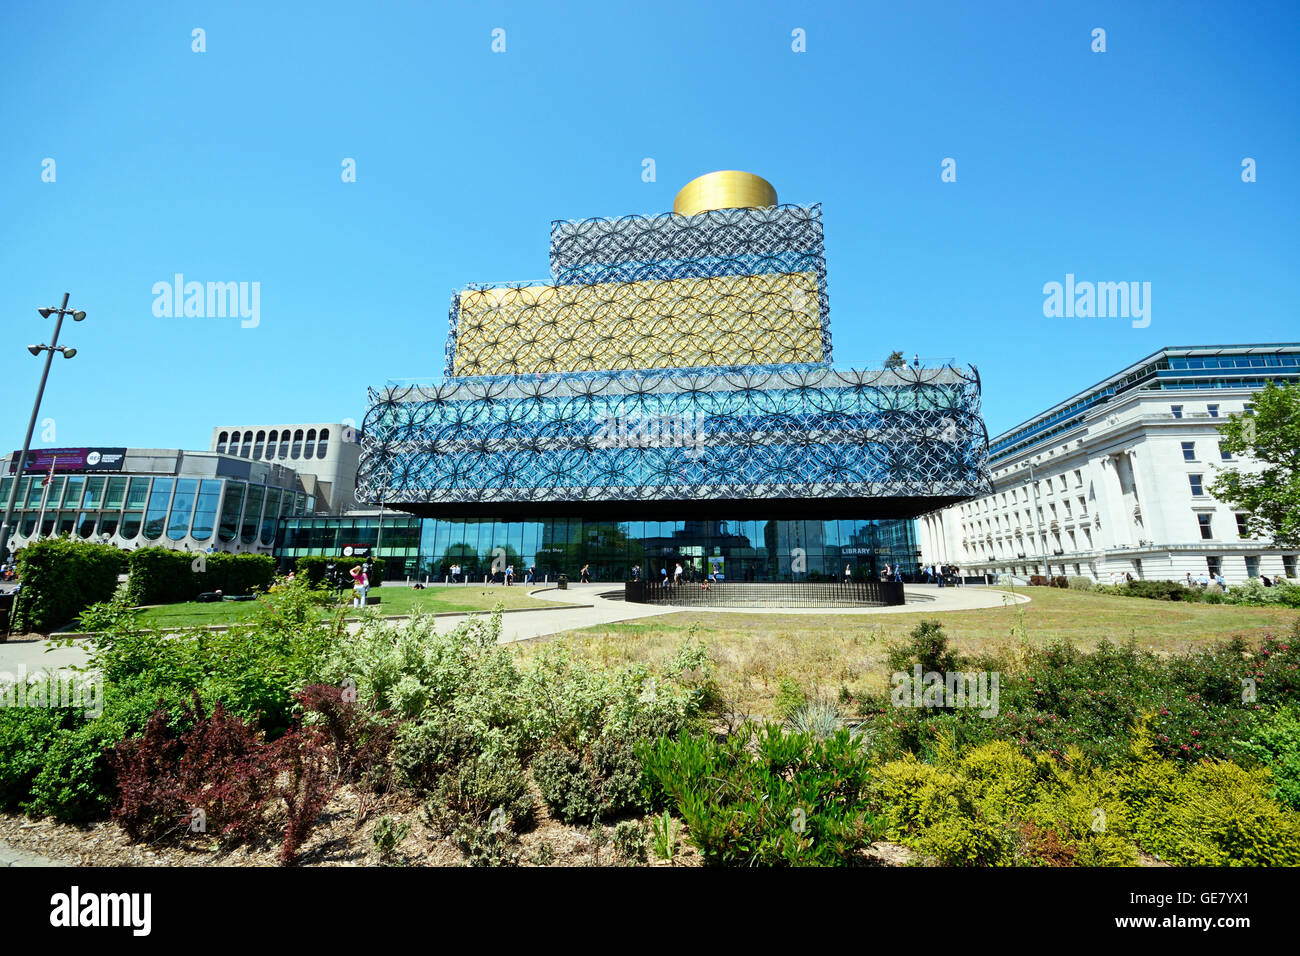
10, 856
526, 624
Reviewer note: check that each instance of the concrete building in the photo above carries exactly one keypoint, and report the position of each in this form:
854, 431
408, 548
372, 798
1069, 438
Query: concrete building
324, 455
153, 497
1114, 480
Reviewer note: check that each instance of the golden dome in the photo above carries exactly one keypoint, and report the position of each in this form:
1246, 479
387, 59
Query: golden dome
725, 189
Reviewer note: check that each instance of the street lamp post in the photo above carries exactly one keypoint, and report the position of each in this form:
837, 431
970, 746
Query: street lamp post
53, 347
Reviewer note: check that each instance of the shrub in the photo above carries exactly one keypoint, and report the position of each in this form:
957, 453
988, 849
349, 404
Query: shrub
26, 734
1275, 743
793, 800
630, 840
598, 782
927, 646
307, 787
165, 576
1079, 583
61, 578
789, 698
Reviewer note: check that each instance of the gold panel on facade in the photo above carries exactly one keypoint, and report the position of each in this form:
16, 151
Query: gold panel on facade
764, 319
725, 189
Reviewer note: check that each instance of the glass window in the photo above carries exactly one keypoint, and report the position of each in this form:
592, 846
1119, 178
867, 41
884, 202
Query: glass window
1224, 454
1176, 411
115, 495
272, 511
35, 491
1204, 521
272, 442
94, 493
252, 513
182, 508
67, 522
222, 438
205, 509
137, 493
1213, 410
1288, 565
86, 524
1214, 565
55, 492
309, 450
322, 446
108, 524
259, 444
156, 514
1189, 451
1242, 531
284, 443
1197, 485
231, 506
131, 524
28, 525
297, 443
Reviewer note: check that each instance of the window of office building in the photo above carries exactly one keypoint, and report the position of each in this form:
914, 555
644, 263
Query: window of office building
297, 443
108, 524
222, 438
1189, 451
1204, 521
1252, 566
1176, 411
131, 521
35, 491
137, 494
54, 492
322, 446
115, 494
252, 514
259, 443
71, 492
94, 493
182, 508
1224, 453
1214, 565
1197, 485
1288, 565
231, 506
270, 514
156, 514
205, 509
309, 450
272, 442
284, 443
1242, 530
1213, 410
86, 524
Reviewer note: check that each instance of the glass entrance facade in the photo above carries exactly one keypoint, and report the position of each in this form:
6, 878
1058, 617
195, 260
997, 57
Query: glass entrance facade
744, 550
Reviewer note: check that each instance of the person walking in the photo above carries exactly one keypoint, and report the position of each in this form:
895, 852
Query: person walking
584, 576
848, 573
360, 586
510, 575
677, 574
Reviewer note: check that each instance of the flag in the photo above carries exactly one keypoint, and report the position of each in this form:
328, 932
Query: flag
50, 477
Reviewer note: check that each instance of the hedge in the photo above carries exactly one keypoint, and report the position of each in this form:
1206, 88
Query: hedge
164, 576
313, 567
61, 578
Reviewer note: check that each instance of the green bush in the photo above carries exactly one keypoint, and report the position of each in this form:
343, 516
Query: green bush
164, 576
1275, 743
790, 800
61, 578
1079, 583
602, 781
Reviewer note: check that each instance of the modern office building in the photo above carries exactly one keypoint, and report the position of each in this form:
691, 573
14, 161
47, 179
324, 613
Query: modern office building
1115, 480
150, 497
325, 456
667, 395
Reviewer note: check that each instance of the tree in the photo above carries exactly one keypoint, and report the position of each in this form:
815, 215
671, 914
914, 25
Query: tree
895, 360
1270, 436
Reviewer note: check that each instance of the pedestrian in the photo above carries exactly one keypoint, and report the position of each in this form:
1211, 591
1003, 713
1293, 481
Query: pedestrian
584, 576
510, 575
848, 573
677, 574
636, 572
360, 586
532, 574
663, 577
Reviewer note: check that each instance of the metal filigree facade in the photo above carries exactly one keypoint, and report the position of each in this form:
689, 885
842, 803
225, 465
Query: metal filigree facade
672, 358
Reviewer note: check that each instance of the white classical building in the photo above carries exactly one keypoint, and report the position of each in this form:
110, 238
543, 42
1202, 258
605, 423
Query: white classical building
1114, 480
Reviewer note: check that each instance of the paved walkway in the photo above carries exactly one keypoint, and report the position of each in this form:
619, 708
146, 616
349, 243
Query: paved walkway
9, 856
523, 625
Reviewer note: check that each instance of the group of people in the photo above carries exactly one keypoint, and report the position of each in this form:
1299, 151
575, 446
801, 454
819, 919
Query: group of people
941, 574
1204, 581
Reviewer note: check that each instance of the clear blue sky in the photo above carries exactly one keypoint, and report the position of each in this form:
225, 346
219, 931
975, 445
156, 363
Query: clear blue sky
225, 166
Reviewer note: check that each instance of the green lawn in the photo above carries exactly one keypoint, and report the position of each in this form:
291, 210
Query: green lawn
396, 600
755, 652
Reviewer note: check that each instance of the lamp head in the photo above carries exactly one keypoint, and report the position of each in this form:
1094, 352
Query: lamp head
45, 313
78, 316
35, 349
68, 353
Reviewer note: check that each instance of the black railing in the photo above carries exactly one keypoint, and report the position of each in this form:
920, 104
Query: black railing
769, 594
